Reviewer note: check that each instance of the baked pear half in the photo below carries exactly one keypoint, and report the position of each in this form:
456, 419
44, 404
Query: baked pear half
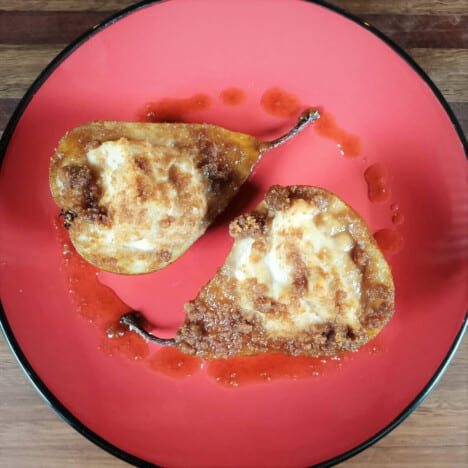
304, 277
136, 196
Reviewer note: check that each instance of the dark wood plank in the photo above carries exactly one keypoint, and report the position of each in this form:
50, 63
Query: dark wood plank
65, 5
448, 68
46, 27
409, 7
7, 106
51, 27
460, 109
21, 64
447, 31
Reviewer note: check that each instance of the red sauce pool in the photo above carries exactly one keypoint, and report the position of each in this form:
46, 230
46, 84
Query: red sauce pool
118, 340
390, 241
245, 370
232, 96
237, 371
398, 218
348, 144
170, 361
175, 109
280, 103
377, 184
98, 304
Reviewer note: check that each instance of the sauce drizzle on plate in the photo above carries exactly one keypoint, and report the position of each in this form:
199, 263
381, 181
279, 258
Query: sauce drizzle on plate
175, 109
377, 183
279, 103
390, 241
97, 303
237, 371
348, 144
173, 363
232, 96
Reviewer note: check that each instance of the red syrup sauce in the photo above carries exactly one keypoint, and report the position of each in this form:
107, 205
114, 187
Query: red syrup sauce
173, 363
175, 109
232, 96
278, 102
246, 370
389, 241
397, 216
377, 183
98, 304
348, 144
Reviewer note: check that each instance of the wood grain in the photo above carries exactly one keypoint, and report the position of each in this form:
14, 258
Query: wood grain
460, 110
358, 7
434, 33
20, 66
46, 27
7, 106
423, 30
401, 7
64, 5
448, 68
52, 27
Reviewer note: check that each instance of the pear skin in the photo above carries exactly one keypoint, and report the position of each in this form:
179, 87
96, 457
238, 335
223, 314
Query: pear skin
136, 196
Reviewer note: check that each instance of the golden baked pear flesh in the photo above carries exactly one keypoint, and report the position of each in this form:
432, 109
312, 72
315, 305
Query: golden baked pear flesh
304, 277
136, 196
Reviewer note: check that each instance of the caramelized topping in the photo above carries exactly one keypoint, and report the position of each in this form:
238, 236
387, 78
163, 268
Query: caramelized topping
304, 277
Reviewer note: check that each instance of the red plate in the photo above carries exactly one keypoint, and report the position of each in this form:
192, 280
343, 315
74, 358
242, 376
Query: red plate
181, 48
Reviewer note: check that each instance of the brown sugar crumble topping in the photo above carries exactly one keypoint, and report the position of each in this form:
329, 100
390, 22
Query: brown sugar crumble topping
249, 225
301, 279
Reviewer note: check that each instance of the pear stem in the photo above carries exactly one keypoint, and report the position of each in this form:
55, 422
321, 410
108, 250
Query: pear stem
303, 121
133, 322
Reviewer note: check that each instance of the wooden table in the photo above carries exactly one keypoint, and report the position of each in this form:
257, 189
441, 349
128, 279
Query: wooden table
435, 33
